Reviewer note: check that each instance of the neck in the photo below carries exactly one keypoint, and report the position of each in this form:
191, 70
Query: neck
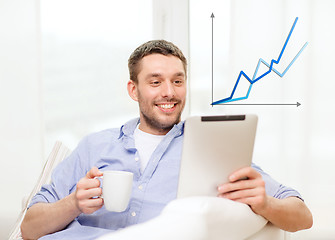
153, 131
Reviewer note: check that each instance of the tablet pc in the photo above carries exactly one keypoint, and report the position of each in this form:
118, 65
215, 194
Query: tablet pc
213, 148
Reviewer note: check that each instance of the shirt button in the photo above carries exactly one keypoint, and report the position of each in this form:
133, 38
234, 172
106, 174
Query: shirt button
133, 214
140, 187
136, 159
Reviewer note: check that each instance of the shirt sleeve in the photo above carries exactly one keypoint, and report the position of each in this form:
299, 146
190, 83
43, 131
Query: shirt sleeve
64, 177
275, 189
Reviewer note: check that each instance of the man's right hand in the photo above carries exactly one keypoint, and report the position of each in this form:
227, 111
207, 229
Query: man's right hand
45, 218
88, 188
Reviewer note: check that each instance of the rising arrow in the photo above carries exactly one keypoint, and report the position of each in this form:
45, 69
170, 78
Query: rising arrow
212, 16
263, 104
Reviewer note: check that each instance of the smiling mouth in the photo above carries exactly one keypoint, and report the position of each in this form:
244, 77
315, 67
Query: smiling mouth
166, 106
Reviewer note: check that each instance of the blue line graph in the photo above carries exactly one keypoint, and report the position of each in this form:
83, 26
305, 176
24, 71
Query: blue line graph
270, 66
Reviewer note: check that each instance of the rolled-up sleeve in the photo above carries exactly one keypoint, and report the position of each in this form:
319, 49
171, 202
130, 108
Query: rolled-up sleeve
64, 177
275, 189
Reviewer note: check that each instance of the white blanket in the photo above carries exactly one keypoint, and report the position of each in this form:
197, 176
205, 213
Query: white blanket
196, 218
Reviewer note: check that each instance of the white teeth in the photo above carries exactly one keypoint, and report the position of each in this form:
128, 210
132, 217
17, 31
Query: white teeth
166, 106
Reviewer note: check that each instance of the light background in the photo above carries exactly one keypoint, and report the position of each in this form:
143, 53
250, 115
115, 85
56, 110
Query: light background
63, 74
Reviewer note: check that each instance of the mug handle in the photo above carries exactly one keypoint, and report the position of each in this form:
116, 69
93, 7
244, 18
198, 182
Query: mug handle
99, 178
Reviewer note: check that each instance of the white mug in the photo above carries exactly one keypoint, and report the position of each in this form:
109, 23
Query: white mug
116, 190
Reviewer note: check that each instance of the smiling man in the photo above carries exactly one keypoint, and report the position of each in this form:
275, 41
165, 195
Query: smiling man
160, 90
150, 147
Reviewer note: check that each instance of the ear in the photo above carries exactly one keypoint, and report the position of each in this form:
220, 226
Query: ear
132, 90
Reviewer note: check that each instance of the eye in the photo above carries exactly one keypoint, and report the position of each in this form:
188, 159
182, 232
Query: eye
179, 82
155, 82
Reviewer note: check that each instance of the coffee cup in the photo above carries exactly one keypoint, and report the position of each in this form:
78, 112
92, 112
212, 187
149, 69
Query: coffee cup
116, 190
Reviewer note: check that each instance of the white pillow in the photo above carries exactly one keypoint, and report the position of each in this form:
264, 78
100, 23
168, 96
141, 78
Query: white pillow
196, 218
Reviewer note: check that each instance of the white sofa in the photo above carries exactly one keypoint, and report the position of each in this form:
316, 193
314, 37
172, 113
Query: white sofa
196, 218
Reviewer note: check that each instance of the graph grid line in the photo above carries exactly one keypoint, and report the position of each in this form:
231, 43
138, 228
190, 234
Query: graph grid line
270, 66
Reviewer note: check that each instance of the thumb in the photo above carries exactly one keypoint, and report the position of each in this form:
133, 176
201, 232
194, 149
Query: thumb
94, 172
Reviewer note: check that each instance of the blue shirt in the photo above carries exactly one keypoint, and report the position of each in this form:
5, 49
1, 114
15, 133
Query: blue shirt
114, 149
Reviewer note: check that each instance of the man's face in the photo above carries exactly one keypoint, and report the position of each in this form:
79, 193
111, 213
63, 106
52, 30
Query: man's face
160, 92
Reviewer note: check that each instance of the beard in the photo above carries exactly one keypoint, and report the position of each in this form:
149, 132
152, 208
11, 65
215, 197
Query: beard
161, 122
158, 124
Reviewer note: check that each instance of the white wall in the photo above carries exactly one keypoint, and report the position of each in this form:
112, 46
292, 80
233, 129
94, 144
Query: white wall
85, 64
21, 145
294, 144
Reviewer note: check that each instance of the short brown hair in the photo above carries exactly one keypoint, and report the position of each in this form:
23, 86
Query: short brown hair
151, 47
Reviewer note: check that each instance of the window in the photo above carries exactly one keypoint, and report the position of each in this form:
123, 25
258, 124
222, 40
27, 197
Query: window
85, 48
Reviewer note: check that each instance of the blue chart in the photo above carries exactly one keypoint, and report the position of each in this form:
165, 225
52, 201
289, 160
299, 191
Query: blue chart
270, 66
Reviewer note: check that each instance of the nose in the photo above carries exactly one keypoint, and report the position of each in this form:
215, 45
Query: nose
168, 90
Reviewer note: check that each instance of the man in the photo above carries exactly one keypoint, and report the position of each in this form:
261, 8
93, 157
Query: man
150, 147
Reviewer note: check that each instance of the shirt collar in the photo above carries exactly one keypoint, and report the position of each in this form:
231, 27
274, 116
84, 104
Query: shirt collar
129, 127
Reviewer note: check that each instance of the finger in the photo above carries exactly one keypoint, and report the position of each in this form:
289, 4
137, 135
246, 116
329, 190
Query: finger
243, 173
89, 193
249, 201
85, 183
90, 206
239, 185
94, 172
246, 193
92, 203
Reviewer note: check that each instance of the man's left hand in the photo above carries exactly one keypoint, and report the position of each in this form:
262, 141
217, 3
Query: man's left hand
246, 185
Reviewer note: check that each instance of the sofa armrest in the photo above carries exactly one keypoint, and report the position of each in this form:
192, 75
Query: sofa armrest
270, 232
